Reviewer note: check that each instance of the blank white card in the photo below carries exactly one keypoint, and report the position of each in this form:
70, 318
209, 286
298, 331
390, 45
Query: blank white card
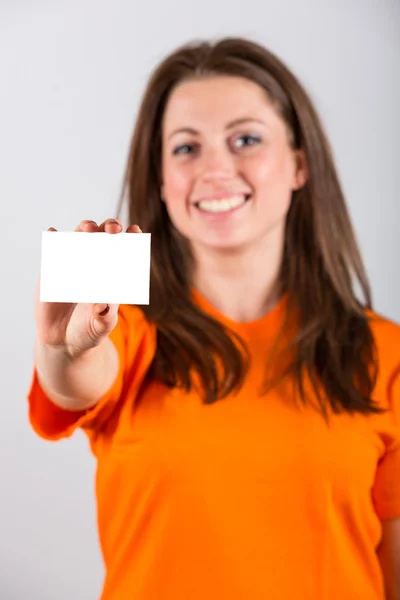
95, 267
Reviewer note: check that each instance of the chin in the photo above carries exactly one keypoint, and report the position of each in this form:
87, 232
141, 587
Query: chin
227, 244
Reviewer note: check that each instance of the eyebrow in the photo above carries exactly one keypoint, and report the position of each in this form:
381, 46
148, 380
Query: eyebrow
231, 124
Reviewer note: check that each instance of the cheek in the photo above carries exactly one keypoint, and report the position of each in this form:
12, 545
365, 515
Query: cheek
176, 189
176, 181
268, 170
271, 178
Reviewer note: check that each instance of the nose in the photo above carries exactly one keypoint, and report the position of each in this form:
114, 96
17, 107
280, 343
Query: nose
218, 163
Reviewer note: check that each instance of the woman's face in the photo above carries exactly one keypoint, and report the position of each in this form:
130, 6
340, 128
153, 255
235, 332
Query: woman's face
228, 170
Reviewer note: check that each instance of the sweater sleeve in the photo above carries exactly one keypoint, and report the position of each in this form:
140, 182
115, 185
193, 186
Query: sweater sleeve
134, 340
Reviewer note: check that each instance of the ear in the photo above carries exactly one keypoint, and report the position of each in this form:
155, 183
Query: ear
301, 173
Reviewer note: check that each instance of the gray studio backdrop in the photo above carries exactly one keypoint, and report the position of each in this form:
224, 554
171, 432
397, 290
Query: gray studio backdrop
71, 75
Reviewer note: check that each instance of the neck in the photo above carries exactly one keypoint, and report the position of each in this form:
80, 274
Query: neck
242, 285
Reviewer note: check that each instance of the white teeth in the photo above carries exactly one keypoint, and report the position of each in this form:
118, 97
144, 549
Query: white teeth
222, 205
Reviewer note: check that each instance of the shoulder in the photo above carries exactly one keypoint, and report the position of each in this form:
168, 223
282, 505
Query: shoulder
133, 330
386, 333
132, 315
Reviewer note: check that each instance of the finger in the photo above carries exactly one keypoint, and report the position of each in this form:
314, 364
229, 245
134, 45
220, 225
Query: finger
88, 226
111, 226
134, 229
51, 229
102, 310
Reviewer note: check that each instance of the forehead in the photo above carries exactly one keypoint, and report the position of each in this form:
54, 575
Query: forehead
217, 98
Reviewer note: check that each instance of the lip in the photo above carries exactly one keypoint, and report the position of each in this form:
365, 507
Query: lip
220, 195
223, 216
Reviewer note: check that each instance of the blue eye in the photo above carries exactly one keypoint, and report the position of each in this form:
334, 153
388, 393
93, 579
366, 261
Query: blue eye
246, 140
183, 149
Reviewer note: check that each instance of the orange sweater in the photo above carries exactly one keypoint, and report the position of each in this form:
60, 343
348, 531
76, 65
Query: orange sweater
248, 498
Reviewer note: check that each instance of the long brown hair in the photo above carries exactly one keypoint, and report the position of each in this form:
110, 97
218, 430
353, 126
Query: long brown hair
334, 345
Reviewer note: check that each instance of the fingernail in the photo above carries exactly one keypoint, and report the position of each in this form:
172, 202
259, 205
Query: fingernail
105, 311
114, 222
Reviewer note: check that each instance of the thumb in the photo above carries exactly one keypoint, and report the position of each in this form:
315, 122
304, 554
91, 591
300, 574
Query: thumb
101, 310
105, 318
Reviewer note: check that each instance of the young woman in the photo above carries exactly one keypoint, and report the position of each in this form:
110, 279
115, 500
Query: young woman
246, 424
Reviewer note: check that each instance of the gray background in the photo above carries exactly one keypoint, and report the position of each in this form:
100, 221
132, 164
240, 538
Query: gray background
71, 75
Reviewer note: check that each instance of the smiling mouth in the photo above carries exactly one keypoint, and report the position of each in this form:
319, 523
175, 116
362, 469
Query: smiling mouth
222, 204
